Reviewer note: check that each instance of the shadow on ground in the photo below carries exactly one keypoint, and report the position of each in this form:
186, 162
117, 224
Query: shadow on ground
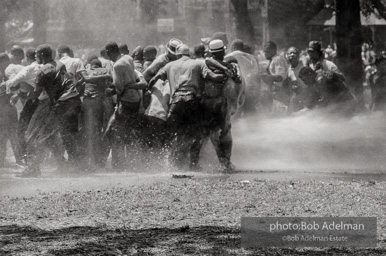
202, 240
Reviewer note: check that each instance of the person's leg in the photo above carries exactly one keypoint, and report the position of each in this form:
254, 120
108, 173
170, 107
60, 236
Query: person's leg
96, 126
176, 130
222, 139
115, 137
39, 128
3, 145
12, 134
195, 132
67, 113
132, 131
87, 136
106, 146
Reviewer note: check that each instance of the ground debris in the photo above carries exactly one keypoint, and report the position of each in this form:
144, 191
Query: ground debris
182, 176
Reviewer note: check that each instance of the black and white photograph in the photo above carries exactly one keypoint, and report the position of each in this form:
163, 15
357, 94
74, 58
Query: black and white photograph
192, 127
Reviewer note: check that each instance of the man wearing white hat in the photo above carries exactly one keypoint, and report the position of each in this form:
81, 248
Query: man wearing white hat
158, 98
216, 115
185, 76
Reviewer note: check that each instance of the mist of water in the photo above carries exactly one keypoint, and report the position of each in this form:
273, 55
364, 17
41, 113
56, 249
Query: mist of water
311, 141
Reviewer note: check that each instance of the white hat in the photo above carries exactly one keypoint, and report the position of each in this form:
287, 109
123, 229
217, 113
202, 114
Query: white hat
172, 45
216, 45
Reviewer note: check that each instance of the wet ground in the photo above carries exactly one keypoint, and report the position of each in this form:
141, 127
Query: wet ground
301, 147
51, 181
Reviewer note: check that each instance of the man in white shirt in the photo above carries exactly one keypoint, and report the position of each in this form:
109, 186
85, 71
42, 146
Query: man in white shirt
8, 116
16, 57
125, 120
68, 106
273, 79
26, 81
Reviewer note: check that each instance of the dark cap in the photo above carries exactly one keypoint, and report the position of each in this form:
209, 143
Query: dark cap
112, 47
63, 49
150, 52
199, 50
91, 57
124, 49
314, 46
96, 63
44, 49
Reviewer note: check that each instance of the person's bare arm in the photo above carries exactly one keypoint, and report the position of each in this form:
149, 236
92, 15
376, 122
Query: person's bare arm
216, 64
85, 77
160, 75
140, 84
206, 73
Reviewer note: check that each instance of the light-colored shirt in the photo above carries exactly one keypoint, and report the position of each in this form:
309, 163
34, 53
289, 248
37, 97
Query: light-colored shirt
154, 67
27, 75
107, 64
159, 102
185, 74
12, 70
124, 74
160, 93
73, 66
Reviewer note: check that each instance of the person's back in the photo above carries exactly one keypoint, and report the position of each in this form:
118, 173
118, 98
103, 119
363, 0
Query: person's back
185, 75
96, 88
53, 79
155, 66
73, 65
123, 72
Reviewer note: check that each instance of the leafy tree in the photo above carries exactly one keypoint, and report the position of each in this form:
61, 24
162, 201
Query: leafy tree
7, 7
244, 27
349, 41
40, 19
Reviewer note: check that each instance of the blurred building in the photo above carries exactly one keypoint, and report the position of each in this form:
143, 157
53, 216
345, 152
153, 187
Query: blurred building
322, 27
135, 22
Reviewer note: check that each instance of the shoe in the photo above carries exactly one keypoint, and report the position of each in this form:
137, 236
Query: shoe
228, 167
29, 174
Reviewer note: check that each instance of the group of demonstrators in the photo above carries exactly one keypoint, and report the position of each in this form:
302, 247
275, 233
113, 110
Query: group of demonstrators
151, 106
129, 106
308, 83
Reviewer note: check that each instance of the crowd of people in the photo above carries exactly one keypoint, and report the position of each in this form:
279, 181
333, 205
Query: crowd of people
304, 82
149, 105
132, 106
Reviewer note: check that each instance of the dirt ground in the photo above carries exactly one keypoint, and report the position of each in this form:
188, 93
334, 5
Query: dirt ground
109, 213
